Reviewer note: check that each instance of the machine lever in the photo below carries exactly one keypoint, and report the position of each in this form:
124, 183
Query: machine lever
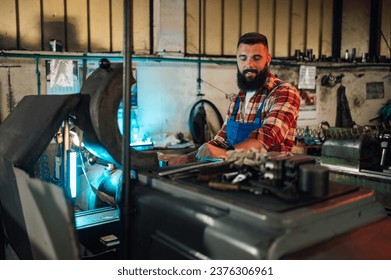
384, 148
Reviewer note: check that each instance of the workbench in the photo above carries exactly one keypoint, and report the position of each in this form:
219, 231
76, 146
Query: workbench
185, 219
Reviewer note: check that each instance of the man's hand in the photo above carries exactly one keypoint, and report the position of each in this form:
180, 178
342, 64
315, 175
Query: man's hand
250, 144
210, 151
177, 160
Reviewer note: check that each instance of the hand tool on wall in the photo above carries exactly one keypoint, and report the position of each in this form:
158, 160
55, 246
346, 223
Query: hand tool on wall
343, 118
10, 95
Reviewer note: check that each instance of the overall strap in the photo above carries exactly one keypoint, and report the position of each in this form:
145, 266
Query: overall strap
259, 112
236, 109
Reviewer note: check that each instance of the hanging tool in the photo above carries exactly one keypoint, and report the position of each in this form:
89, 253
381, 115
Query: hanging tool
11, 103
343, 118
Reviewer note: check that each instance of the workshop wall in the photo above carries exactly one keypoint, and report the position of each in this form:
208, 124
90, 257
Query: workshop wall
212, 27
167, 90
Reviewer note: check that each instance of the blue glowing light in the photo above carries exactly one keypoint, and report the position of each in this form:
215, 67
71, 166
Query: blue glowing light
72, 172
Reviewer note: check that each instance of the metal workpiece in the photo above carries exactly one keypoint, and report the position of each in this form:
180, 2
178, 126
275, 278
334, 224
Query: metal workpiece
97, 117
239, 225
98, 112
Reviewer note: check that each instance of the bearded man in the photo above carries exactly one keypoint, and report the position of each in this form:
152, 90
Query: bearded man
263, 115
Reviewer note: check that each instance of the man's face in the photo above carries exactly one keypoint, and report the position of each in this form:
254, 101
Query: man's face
252, 62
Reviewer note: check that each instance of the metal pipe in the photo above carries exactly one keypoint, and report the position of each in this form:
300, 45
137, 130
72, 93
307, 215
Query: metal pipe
112, 57
306, 25
41, 18
290, 28
38, 73
375, 27
274, 28
337, 28
151, 23
321, 29
190, 167
17, 17
222, 27
126, 214
230, 60
88, 25
199, 48
65, 3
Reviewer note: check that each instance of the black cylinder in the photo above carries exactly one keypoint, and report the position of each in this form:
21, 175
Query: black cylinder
314, 179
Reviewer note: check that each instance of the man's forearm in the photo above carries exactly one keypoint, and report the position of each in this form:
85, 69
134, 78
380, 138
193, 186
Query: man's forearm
250, 143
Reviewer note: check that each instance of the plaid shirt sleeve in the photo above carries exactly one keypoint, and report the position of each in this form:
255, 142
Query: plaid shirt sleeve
279, 119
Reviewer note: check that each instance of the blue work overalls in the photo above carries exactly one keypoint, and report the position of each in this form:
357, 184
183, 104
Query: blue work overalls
237, 132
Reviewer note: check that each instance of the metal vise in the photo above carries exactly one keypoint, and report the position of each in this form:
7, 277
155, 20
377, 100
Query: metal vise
361, 151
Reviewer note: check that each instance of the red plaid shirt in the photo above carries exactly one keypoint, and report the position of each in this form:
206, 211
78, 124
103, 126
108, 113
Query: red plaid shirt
279, 116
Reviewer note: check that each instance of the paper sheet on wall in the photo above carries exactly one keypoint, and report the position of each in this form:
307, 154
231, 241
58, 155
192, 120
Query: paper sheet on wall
307, 77
62, 77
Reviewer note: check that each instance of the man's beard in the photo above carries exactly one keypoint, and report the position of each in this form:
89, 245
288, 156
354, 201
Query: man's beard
254, 84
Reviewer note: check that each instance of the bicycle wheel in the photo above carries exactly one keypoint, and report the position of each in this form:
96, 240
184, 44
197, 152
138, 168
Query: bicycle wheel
204, 121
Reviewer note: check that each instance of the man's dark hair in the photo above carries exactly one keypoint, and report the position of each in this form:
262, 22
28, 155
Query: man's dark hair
252, 38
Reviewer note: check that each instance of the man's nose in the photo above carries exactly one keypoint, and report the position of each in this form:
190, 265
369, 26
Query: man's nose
249, 64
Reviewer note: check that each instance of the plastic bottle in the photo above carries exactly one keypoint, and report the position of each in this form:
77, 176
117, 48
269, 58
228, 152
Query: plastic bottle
347, 55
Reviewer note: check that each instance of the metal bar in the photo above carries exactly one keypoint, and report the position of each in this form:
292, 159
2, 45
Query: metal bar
111, 25
290, 29
190, 167
230, 60
199, 27
240, 17
374, 34
257, 16
126, 188
222, 27
151, 23
337, 28
112, 57
42, 24
88, 26
199, 47
17, 17
65, 25
320, 46
274, 27
204, 27
185, 27
84, 70
38, 74
306, 25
